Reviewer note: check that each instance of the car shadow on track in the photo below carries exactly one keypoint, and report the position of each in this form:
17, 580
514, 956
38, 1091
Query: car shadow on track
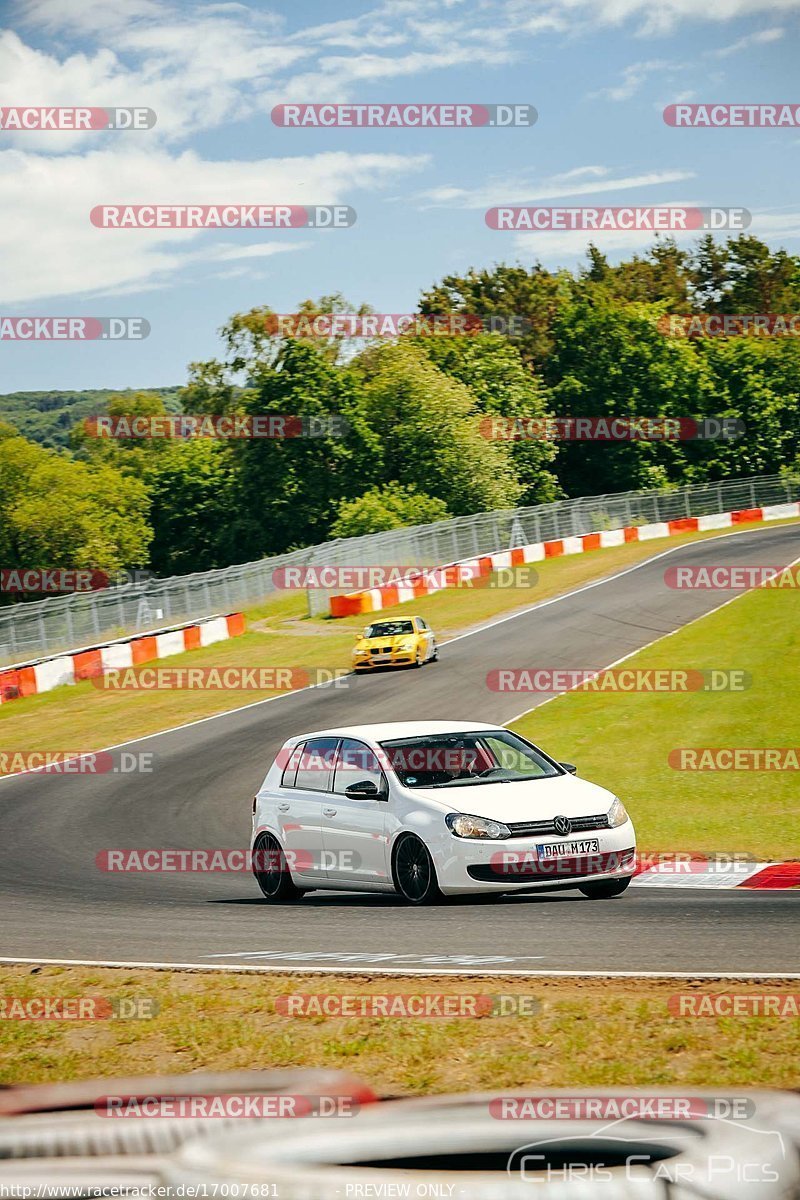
376, 900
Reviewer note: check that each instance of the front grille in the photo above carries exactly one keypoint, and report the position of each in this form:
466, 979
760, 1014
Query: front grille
555, 871
579, 825
381, 650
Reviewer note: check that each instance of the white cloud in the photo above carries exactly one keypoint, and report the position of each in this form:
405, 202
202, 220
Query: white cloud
88, 16
633, 78
665, 15
200, 66
583, 181
48, 247
762, 38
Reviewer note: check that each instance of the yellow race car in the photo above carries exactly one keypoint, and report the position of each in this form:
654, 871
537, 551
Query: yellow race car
403, 642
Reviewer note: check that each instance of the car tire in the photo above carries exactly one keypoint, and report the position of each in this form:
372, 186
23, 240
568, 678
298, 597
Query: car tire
277, 887
605, 889
435, 655
413, 872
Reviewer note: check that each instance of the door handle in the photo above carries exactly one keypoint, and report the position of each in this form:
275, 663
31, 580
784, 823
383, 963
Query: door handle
283, 808
329, 812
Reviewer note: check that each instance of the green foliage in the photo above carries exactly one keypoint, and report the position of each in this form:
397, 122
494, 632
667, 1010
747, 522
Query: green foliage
191, 488
415, 446
57, 512
503, 385
49, 417
389, 506
428, 429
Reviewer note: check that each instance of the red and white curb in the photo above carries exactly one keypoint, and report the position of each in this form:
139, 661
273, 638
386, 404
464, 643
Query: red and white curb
427, 582
42, 675
685, 872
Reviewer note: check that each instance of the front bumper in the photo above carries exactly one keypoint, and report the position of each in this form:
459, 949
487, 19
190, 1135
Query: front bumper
513, 864
368, 663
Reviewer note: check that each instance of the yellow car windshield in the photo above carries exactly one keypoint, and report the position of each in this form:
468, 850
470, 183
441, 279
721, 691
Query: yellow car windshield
389, 629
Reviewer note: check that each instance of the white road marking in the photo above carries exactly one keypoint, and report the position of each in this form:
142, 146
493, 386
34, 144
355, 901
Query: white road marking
543, 973
463, 960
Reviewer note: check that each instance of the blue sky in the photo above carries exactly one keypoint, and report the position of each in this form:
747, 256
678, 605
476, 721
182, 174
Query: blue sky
599, 73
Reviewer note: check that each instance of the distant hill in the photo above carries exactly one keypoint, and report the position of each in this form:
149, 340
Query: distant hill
47, 417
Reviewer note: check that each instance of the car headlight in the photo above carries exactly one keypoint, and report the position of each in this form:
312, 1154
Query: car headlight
464, 826
617, 814
407, 645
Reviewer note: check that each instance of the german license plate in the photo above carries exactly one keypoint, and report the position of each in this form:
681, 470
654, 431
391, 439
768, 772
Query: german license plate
568, 849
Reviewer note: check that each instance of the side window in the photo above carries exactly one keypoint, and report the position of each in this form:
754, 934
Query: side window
355, 763
290, 770
421, 624
315, 767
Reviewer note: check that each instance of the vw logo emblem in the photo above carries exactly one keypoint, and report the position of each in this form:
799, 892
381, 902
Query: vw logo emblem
563, 825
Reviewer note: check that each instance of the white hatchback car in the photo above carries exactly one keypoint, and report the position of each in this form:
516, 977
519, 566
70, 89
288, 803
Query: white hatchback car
434, 808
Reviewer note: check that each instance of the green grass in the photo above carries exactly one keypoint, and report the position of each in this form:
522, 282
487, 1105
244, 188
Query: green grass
205, 1023
623, 741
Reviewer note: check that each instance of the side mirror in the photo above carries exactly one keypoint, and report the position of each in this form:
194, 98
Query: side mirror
364, 789
570, 767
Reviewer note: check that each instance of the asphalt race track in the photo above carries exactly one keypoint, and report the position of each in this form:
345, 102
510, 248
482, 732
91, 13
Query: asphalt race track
56, 904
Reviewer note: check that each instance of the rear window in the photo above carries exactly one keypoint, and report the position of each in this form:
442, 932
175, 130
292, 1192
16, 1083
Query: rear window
315, 767
290, 770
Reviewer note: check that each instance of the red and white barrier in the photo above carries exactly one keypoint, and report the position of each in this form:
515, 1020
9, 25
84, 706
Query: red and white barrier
32, 678
374, 599
687, 872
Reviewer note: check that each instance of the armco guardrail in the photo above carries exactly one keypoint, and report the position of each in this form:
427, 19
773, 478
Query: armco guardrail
59, 623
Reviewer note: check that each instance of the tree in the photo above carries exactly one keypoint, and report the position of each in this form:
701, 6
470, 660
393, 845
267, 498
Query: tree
534, 294
389, 506
56, 512
610, 360
192, 488
503, 385
427, 428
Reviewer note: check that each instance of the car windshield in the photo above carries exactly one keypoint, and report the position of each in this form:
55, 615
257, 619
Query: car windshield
388, 629
466, 759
